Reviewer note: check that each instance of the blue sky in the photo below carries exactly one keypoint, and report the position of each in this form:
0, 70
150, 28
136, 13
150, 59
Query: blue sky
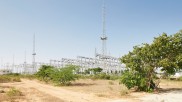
67, 28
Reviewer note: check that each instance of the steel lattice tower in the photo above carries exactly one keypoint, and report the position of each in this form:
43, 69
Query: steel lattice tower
104, 37
33, 55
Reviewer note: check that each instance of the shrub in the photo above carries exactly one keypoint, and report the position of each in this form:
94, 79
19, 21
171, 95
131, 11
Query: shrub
4, 79
14, 92
45, 72
94, 70
180, 78
9, 78
64, 76
13, 74
114, 77
124, 90
103, 76
132, 79
61, 76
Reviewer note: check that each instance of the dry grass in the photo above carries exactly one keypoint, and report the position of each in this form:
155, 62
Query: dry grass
9, 78
101, 88
170, 84
124, 90
10, 94
111, 83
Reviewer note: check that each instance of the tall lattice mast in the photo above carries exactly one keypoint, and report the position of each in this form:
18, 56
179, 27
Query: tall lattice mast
33, 55
104, 37
25, 63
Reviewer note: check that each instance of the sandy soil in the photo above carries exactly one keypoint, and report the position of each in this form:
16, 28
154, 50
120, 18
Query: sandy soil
171, 92
58, 92
93, 91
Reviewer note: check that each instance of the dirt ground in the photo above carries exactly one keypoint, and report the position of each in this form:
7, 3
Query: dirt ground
93, 91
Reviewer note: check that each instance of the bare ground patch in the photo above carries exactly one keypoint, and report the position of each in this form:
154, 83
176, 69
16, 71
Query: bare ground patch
29, 94
86, 90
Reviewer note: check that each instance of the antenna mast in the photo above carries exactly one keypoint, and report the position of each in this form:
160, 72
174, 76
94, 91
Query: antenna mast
25, 63
33, 54
104, 37
13, 65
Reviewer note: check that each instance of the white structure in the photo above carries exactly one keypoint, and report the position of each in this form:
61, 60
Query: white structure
109, 64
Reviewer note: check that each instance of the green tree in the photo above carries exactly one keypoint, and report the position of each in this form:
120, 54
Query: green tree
64, 76
45, 73
164, 52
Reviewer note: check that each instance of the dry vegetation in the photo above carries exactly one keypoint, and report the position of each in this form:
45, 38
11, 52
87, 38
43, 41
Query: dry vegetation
9, 78
11, 94
101, 88
170, 85
12, 90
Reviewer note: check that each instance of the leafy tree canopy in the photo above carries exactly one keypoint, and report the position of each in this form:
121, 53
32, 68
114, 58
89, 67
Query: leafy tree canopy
61, 76
164, 52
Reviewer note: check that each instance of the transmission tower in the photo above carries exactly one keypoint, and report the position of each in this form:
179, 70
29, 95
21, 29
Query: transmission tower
104, 37
25, 64
13, 65
33, 55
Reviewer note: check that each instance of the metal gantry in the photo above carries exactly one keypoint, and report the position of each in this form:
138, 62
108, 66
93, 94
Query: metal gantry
109, 64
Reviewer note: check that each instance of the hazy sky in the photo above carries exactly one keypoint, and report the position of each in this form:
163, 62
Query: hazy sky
67, 28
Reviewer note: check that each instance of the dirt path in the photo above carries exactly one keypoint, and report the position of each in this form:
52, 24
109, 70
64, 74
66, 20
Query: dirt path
38, 92
172, 96
62, 94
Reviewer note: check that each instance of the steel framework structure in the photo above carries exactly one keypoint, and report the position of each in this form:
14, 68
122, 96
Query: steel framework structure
109, 64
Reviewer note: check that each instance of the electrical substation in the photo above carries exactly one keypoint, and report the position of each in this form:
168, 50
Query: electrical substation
108, 63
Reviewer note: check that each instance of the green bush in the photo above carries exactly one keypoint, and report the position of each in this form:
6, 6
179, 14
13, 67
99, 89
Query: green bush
104, 76
132, 79
61, 76
13, 74
64, 76
45, 72
101, 76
